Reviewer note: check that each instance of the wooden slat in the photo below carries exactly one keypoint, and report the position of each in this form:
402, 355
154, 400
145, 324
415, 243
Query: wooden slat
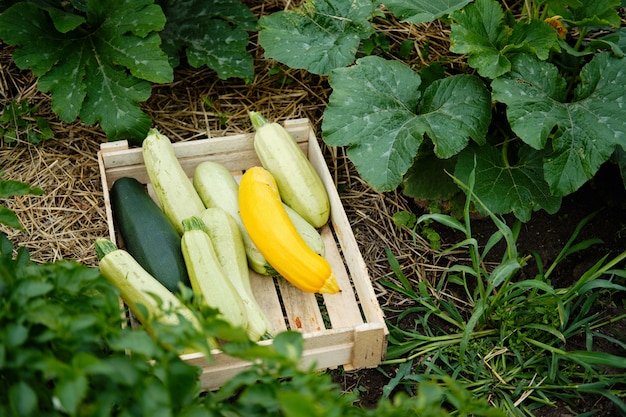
135, 168
266, 296
303, 313
342, 308
107, 199
325, 350
118, 154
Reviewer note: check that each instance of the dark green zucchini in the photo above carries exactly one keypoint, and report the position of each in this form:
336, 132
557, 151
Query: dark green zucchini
147, 233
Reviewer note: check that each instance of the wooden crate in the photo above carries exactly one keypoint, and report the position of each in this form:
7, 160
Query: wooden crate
345, 329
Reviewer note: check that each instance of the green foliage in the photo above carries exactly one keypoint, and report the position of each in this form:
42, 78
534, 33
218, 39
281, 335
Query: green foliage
95, 65
212, 33
535, 113
17, 124
421, 11
317, 36
516, 341
381, 98
65, 352
539, 112
97, 59
481, 31
10, 188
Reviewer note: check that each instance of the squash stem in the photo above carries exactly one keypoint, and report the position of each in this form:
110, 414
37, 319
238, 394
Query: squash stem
257, 119
194, 223
267, 336
104, 247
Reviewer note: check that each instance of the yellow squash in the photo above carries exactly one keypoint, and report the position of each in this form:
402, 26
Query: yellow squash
276, 237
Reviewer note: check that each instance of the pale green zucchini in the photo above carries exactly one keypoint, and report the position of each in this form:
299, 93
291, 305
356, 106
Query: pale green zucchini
137, 287
311, 236
174, 190
299, 185
217, 187
207, 276
231, 254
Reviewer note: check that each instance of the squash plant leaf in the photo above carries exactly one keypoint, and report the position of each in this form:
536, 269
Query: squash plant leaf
589, 13
317, 36
213, 35
480, 30
377, 109
503, 187
98, 71
584, 132
422, 11
429, 179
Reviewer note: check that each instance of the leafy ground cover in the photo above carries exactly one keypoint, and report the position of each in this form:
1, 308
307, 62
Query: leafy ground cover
64, 222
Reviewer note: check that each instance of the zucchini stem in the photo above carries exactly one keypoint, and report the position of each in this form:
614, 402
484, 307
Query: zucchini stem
257, 119
194, 223
104, 247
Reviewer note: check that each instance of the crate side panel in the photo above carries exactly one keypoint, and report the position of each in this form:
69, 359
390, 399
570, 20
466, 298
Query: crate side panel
107, 199
370, 341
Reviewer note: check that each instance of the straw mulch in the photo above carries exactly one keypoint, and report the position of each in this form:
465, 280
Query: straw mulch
64, 223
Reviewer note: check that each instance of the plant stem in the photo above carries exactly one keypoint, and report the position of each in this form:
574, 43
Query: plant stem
581, 36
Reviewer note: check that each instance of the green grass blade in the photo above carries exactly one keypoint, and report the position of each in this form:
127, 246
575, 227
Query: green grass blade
443, 219
583, 357
477, 315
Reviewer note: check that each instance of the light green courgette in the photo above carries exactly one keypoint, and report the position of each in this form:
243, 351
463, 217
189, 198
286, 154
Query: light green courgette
138, 288
231, 254
174, 190
217, 187
207, 276
299, 185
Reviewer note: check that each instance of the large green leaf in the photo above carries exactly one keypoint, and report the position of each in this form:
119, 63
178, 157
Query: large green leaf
453, 110
505, 188
421, 11
584, 132
372, 109
376, 108
480, 31
98, 71
319, 35
429, 179
214, 34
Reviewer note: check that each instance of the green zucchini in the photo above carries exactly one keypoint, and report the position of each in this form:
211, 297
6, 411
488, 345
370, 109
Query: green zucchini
138, 288
231, 254
207, 276
173, 188
147, 233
